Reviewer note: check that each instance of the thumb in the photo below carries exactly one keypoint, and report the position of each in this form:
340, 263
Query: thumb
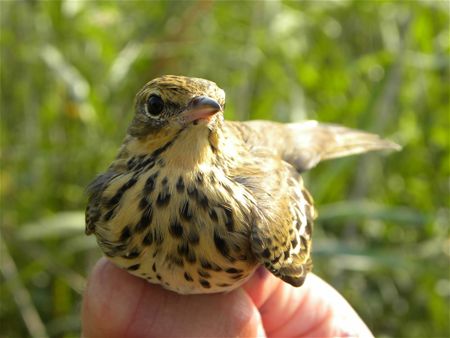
117, 304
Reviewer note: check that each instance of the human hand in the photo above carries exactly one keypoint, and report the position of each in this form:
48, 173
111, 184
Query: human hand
117, 304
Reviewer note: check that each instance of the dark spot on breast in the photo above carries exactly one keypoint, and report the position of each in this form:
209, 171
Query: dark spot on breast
185, 211
144, 202
148, 239
132, 254
233, 270
203, 274
154, 267
150, 164
125, 233
221, 245
223, 285
205, 283
119, 193
229, 219
236, 277
188, 277
202, 200
150, 183
205, 264
193, 238
192, 192
164, 181
275, 260
133, 267
162, 149
176, 229
180, 184
147, 164
286, 254
163, 197
116, 250
266, 253
175, 259
294, 242
146, 219
213, 215
199, 178
191, 257
132, 181
183, 249
131, 163
159, 277
109, 214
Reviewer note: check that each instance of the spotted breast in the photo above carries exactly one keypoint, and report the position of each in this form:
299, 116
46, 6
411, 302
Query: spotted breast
195, 203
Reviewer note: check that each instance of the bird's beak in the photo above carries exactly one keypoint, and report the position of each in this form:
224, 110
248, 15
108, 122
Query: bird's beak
201, 108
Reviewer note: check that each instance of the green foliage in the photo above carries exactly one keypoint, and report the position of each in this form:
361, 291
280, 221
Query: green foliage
70, 69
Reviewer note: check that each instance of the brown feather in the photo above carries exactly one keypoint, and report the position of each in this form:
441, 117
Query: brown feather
305, 144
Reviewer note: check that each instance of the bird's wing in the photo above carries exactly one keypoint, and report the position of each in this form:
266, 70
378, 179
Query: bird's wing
282, 223
93, 208
305, 144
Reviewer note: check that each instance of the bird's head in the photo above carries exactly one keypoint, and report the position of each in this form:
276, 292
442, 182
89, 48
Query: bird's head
170, 103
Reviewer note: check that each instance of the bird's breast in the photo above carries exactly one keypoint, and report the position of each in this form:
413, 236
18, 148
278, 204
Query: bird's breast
187, 230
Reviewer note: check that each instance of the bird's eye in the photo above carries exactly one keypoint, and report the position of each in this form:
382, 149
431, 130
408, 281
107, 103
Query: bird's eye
155, 105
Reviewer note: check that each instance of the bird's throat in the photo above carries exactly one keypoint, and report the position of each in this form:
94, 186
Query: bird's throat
185, 149
193, 147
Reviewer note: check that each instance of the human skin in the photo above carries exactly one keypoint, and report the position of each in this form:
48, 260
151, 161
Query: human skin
117, 304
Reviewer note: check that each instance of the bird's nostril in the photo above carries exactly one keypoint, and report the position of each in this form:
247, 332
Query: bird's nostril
195, 101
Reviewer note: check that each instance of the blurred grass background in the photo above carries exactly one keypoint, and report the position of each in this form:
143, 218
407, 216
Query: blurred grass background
69, 72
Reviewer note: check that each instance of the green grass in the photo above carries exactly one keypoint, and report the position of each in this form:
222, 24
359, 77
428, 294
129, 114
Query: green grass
69, 72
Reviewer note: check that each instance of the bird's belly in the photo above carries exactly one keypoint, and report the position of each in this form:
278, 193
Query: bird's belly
173, 272
183, 232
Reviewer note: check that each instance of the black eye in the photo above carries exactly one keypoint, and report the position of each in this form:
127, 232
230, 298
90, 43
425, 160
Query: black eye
155, 105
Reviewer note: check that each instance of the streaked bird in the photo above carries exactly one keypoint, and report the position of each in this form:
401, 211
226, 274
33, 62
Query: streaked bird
196, 203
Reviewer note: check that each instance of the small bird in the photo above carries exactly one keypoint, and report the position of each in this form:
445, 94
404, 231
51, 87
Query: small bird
195, 203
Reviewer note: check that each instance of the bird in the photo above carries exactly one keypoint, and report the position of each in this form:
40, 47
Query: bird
196, 204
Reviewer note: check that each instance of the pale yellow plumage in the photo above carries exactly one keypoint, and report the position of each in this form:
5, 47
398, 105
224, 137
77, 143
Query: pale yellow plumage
196, 204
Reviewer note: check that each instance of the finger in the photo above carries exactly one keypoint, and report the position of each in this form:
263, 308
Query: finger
313, 310
117, 304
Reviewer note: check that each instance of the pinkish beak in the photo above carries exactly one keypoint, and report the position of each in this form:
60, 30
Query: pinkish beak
201, 108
